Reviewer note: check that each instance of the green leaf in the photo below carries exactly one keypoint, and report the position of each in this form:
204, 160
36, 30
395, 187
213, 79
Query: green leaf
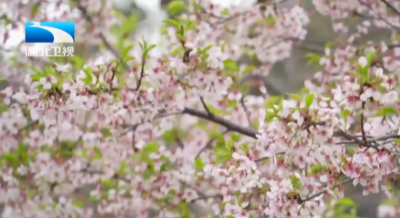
345, 114
78, 61
218, 136
248, 69
353, 73
78, 203
228, 145
205, 50
176, 7
106, 132
295, 182
235, 137
128, 58
151, 47
97, 153
164, 167
151, 147
223, 158
107, 183
386, 111
294, 96
2, 79
370, 58
231, 65
122, 166
215, 111
245, 148
125, 51
346, 201
172, 22
271, 20
329, 45
169, 136
222, 153
312, 58
397, 141
35, 9
309, 100
198, 163
89, 76
225, 12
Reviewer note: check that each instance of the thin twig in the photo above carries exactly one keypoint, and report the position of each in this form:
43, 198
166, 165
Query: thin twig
206, 197
179, 142
134, 128
205, 107
101, 35
209, 143
246, 111
364, 138
29, 125
141, 76
266, 158
324, 191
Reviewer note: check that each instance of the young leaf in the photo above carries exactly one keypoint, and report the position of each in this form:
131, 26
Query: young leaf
345, 114
228, 145
106, 133
198, 163
176, 7
245, 148
125, 51
309, 100
386, 111
231, 65
248, 69
295, 182
151, 147
346, 201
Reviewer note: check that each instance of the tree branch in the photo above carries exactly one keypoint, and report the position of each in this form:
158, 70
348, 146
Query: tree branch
209, 143
221, 121
101, 35
141, 76
324, 191
205, 107
246, 112
394, 9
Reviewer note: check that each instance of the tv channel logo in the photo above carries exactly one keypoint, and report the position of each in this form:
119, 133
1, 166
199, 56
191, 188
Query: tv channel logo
50, 32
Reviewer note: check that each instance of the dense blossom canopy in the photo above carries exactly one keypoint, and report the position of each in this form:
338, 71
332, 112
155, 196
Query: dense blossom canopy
132, 127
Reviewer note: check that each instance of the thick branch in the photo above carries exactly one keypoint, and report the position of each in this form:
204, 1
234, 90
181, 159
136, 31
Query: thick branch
388, 4
221, 121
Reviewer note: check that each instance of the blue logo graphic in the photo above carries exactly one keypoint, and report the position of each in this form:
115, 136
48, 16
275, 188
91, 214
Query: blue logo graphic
49, 32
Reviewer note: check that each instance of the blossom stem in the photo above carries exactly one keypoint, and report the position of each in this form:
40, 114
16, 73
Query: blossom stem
205, 107
324, 191
246, 112
209, 143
